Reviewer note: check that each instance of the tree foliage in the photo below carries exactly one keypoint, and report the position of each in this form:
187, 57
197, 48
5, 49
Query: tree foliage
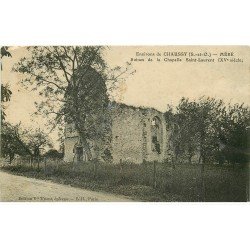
36, 140
75, 84
208, 128
16, 140
11, 142
5, 90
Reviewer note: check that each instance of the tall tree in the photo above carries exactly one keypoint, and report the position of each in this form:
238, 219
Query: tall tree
195, 127
12, 142
5, 90
206, 117
182, 129
16, 140
209, 127
35, 140
75, 83
234, 134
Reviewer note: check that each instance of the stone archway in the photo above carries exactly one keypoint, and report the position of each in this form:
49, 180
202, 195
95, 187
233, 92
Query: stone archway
79, 153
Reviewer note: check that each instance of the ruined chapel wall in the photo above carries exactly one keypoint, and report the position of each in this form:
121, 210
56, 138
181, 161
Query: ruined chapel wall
149, 154
126, 135
69, 144
132, 135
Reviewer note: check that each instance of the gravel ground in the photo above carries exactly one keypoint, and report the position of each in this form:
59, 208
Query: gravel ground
19, 188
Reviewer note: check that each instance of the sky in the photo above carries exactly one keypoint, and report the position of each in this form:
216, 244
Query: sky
155, 83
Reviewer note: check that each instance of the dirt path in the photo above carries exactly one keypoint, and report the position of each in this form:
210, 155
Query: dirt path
19, 188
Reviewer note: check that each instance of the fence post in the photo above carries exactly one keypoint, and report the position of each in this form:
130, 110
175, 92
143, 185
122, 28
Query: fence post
38, 162
203, 187
247, 183
172, 178
95, 168
120, 166
154, 174
45, 165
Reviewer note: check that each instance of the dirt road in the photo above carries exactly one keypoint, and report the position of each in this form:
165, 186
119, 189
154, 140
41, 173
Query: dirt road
19, 188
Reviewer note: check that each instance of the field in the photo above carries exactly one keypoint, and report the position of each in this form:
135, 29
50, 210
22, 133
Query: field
148, 181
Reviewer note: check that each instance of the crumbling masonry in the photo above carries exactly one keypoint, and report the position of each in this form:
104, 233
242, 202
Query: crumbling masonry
138, 135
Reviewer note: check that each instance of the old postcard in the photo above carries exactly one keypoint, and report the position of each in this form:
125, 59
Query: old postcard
125, 123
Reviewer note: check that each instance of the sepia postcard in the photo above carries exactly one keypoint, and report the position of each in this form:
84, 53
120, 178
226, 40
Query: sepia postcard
125, 123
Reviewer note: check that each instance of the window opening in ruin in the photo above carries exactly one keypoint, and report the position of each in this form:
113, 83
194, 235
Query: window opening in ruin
156, 132
79, 153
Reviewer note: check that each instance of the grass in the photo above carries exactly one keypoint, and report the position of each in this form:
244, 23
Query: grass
183, 182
